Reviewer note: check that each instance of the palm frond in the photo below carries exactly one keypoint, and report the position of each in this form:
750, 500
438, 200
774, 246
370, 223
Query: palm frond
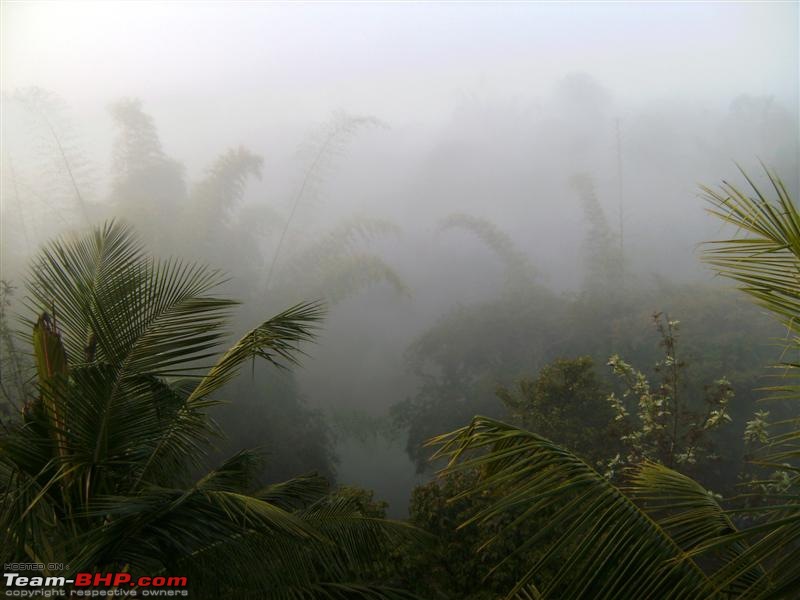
298, 492
65, 277
693, 518
352, 560
597, 543
159, 524
768, 566
276, 340
764, 259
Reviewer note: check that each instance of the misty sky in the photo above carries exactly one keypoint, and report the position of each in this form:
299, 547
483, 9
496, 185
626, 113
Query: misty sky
399, 60
217, 75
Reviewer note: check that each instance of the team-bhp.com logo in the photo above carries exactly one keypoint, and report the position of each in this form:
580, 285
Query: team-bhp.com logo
94, 585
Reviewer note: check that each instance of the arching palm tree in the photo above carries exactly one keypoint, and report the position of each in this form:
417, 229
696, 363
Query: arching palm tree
100, 472
662, 536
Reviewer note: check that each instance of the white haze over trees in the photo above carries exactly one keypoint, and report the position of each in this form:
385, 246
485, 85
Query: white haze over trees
419, 133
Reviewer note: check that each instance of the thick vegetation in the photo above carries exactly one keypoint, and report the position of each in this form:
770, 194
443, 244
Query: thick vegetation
658, 533
596, 472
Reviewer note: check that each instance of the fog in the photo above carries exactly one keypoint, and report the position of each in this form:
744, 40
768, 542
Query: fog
470, 147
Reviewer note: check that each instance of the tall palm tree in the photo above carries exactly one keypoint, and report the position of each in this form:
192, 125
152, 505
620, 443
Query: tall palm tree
100, 472
662, 535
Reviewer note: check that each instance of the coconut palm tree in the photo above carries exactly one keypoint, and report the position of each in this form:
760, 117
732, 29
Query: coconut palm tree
103, 471
661, 535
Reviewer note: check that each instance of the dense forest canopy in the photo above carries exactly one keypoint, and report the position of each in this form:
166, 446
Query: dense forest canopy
422, 301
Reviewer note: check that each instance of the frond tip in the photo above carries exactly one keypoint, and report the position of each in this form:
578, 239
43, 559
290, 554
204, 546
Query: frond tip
764, 256
276, 340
